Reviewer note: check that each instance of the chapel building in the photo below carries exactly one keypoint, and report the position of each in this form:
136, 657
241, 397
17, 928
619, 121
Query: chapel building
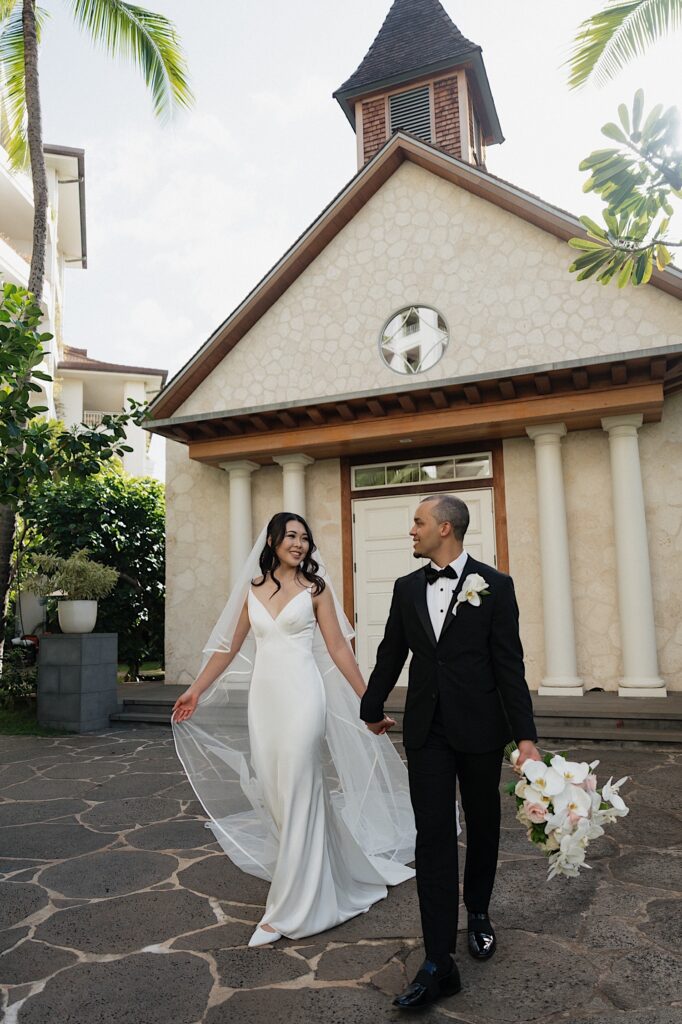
427, 363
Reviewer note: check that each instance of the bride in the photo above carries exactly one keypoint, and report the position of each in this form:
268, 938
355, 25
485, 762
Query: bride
330, 823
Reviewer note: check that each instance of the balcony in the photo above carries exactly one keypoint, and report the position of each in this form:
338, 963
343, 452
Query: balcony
92, 417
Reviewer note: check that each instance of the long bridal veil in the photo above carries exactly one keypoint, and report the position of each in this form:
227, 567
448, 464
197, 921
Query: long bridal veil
367, 779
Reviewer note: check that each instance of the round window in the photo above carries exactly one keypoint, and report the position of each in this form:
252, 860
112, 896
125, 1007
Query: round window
413, 339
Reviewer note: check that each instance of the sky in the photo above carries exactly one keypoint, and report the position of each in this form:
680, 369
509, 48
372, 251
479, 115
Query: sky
184, 219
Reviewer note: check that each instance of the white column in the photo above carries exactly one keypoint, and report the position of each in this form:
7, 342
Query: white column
241, 532
561, 671
635, 599
71, 401
293, 481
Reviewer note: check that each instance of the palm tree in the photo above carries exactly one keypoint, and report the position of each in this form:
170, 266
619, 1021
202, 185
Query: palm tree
147, 39
621, 31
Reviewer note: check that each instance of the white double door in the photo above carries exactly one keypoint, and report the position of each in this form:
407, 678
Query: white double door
382, 551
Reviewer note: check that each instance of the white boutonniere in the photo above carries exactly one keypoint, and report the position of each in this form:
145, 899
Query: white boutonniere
473, 589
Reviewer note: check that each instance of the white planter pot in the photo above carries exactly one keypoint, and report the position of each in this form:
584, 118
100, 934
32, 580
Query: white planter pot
77, 616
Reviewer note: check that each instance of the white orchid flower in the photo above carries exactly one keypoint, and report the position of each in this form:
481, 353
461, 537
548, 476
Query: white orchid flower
472, 588
611, 795
570, 856
543, 777
572, 771
558, 824
573, 800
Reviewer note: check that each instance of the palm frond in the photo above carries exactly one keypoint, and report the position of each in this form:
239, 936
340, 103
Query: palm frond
12, 87
12, 83
621, 31
147, 39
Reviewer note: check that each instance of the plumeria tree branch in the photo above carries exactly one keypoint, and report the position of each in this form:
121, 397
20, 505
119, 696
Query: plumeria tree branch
640, 181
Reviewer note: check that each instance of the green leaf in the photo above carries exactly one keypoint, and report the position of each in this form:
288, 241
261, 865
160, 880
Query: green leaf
651, 120
585, 243
625, 273
637, 108
624, 115
593, 228
612, 131
599, 156
663, 257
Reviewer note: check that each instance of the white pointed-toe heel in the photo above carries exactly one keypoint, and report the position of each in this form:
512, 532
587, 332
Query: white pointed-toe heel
262, 937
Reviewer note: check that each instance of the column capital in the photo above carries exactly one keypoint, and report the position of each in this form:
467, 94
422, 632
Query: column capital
547, 433
298, 459
623, 426
241, 467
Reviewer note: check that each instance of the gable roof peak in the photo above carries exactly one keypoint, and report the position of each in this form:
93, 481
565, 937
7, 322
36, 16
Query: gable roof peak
415, 34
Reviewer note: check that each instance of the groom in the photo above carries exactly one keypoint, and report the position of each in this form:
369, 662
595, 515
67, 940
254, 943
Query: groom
467, 697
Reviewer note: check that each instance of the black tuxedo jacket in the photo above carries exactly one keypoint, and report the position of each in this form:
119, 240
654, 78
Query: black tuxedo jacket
474, 670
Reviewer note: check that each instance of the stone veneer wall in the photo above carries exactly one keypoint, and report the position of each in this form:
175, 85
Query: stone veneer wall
197, 544
587, 482
197, 558
419, 240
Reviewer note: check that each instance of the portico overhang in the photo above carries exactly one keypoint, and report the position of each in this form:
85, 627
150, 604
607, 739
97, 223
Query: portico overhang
460, 409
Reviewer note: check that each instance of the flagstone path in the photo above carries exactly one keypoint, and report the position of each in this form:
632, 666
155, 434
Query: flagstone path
116, 907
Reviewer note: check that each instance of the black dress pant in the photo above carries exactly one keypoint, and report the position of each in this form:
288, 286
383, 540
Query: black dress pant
433, 772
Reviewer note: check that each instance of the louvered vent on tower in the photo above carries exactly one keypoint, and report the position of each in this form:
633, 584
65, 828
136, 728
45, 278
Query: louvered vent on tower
411, 112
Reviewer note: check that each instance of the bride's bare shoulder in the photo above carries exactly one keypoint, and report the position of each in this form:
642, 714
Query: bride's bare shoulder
258, 580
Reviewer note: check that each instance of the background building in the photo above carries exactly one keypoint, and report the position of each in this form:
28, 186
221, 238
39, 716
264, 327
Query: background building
82, 389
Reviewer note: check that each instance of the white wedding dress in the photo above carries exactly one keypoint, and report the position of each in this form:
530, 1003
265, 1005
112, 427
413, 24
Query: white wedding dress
297, 790
321, 875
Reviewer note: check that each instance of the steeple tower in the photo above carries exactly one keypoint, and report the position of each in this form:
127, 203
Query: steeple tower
422, 76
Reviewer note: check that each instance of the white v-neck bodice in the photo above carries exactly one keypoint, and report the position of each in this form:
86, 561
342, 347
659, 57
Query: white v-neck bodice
295, 622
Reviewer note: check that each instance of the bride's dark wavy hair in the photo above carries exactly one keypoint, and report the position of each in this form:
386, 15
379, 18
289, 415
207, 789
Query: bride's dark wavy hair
269, 562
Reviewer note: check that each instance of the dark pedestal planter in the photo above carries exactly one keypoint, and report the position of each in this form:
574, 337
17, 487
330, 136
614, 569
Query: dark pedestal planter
77, 680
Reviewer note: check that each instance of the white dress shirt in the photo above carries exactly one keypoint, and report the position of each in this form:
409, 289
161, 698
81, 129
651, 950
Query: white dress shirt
439, 594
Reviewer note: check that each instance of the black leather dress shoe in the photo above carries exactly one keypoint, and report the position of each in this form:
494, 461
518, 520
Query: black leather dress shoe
481, 937
428, 986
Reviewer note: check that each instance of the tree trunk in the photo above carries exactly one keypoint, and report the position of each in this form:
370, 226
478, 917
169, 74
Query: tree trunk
37, 276
35, 148
7, 531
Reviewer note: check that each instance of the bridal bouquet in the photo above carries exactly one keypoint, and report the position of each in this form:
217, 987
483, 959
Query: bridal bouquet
562, 809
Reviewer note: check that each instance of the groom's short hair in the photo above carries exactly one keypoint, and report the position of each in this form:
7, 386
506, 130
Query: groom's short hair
450, 509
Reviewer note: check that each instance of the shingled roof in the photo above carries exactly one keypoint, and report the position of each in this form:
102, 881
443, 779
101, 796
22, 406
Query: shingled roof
416, 39
414, 35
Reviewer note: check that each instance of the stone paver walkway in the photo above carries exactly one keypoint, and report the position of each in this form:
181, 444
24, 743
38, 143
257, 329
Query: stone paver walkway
116, 907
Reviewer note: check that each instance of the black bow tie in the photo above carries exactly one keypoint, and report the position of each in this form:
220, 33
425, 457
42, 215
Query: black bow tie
437, 574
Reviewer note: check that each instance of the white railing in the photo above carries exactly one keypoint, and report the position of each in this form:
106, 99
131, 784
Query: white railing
93, 418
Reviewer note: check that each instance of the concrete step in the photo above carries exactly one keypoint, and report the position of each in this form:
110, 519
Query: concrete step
596, 716
141, 716
549, 733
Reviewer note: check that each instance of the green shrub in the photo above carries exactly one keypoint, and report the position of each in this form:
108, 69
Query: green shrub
18, 679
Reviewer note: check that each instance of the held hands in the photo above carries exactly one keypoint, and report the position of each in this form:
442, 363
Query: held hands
381, 727
185, 706
527, 752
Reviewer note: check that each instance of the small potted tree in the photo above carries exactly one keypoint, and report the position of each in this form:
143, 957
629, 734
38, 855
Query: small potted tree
77, 581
